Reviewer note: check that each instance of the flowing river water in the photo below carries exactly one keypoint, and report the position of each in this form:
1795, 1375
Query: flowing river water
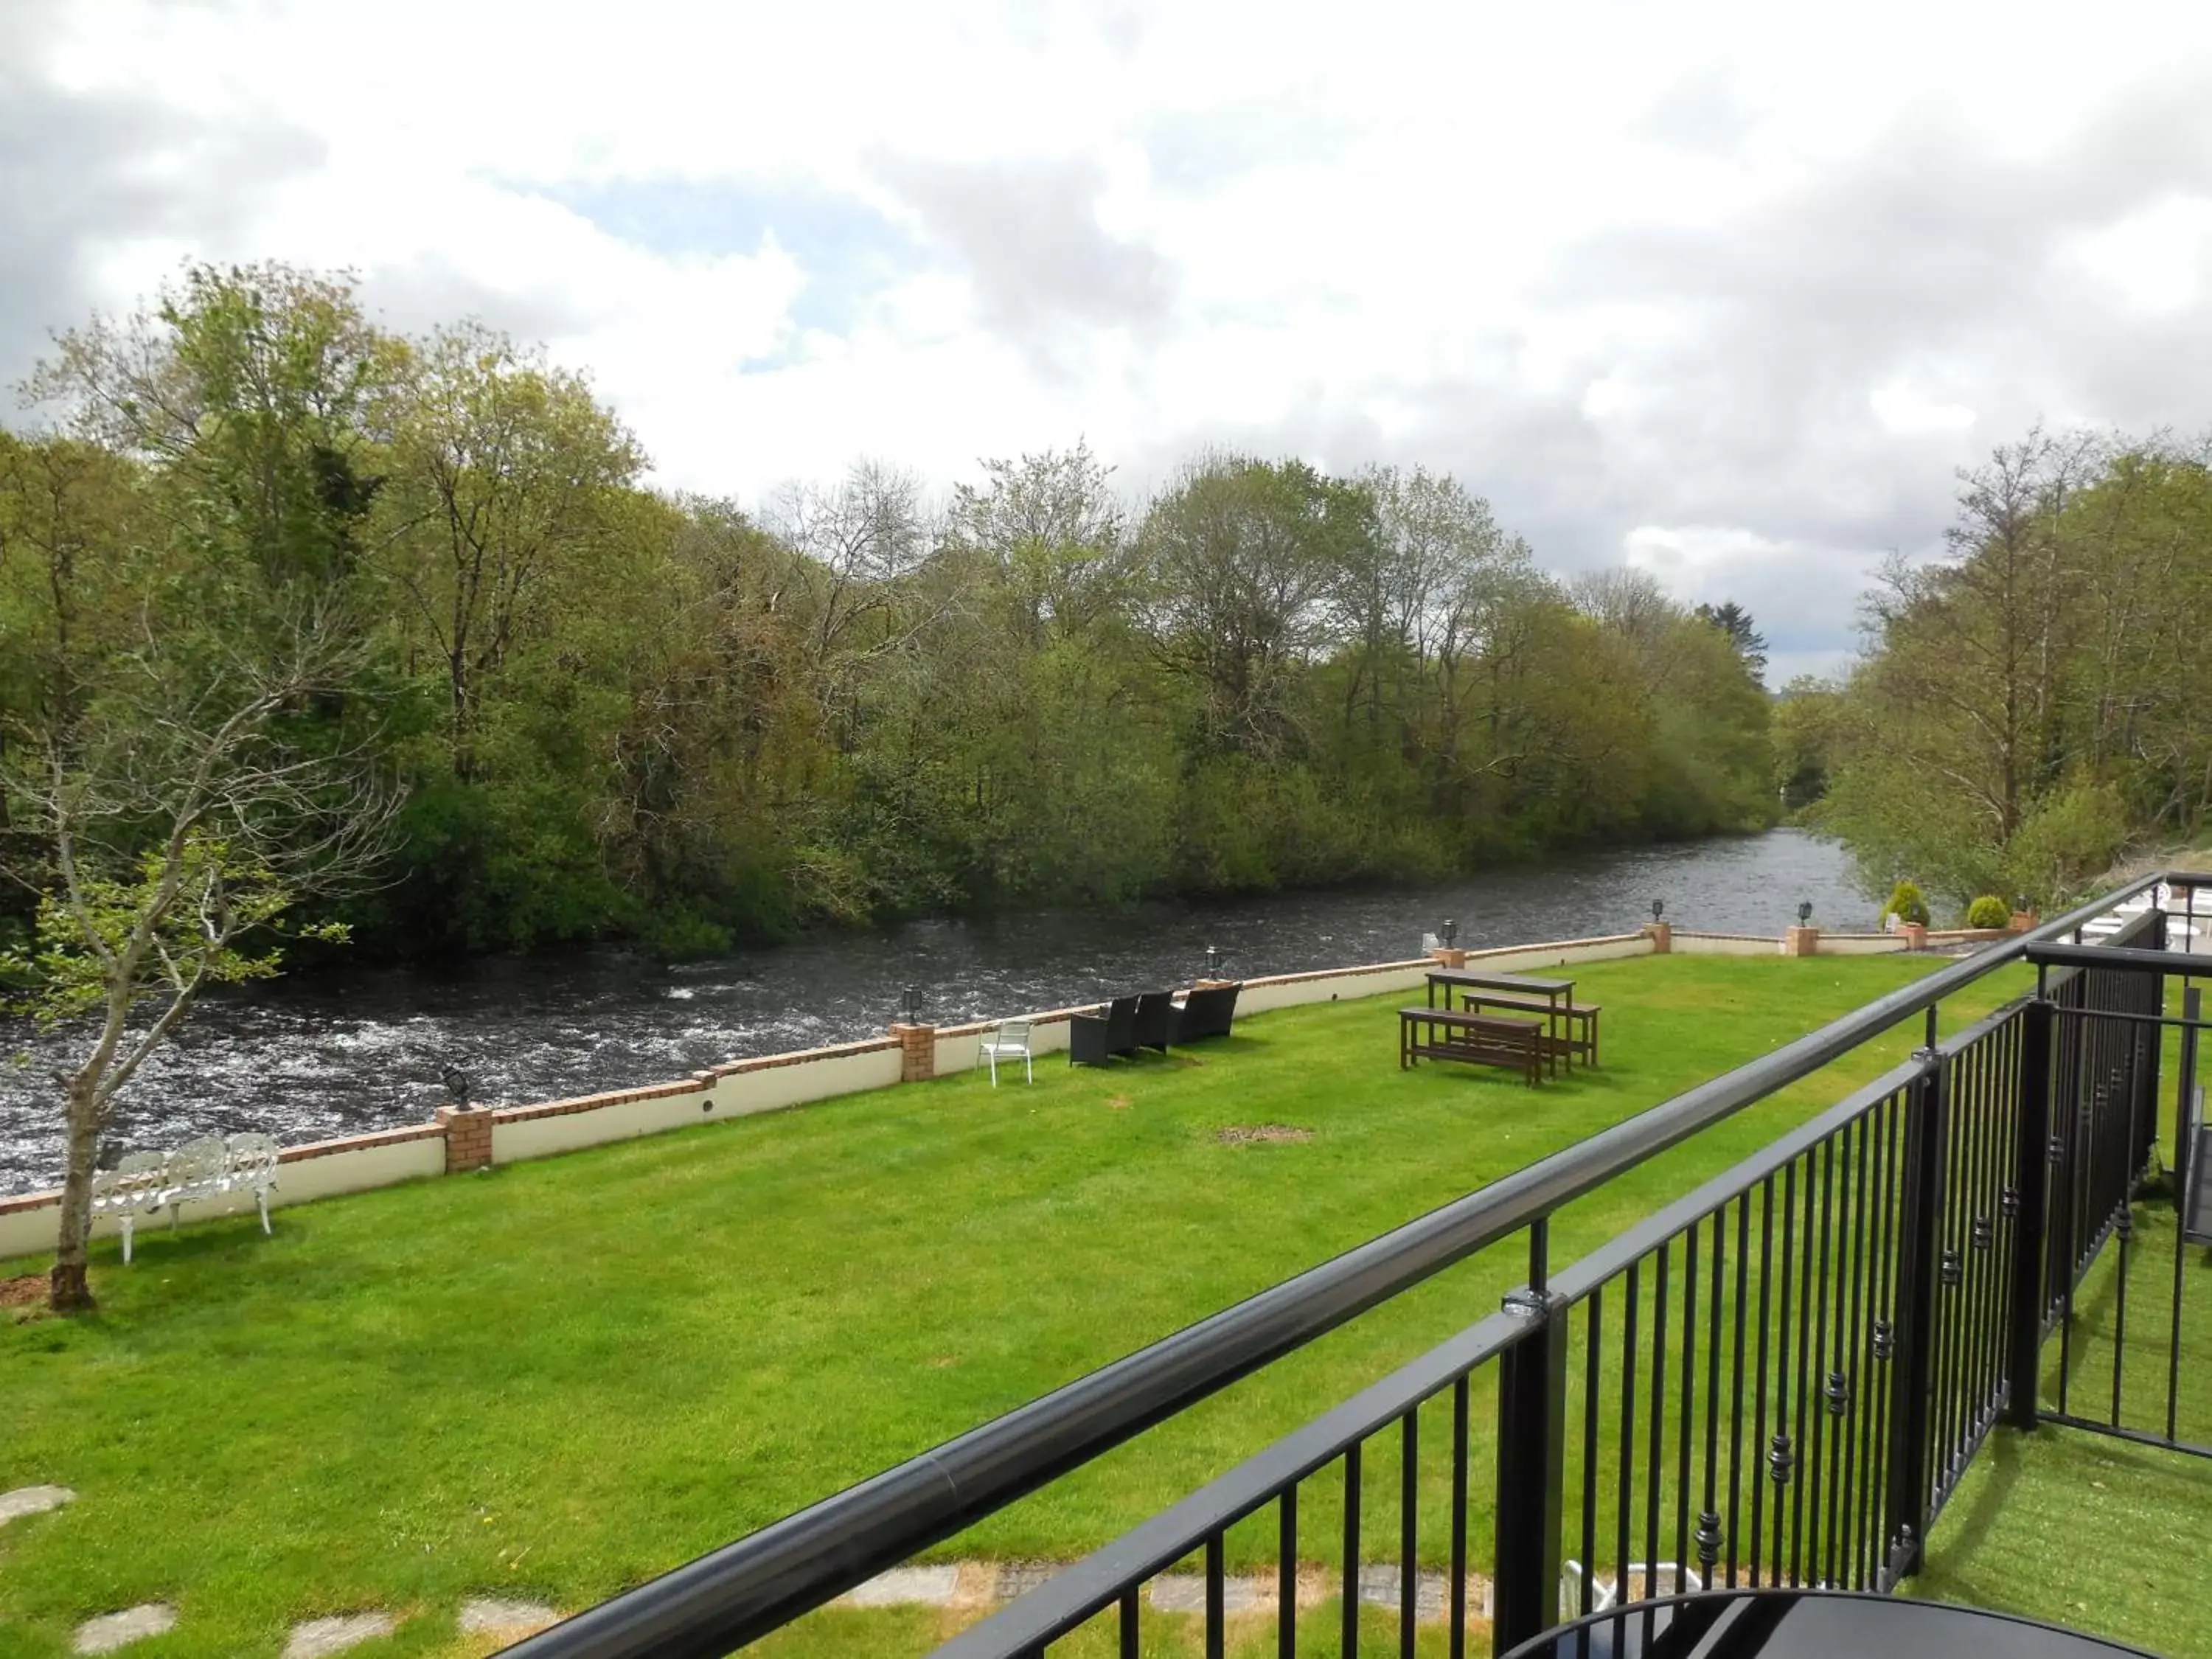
344, 1051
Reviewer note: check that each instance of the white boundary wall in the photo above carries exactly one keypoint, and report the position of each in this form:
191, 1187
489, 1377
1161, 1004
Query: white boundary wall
775, 1082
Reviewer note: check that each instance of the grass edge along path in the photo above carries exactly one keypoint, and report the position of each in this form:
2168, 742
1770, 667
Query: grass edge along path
561, 1377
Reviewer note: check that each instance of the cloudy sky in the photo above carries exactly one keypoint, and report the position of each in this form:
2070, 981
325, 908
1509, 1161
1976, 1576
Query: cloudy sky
1726, 292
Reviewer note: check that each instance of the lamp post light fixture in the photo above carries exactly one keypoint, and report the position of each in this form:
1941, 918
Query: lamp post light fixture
456, 1085
1658, 909
1448, 931
910, 1006
1804, 913
1213, 961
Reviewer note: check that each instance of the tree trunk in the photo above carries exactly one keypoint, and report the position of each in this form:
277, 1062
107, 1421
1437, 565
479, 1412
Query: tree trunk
69, 1290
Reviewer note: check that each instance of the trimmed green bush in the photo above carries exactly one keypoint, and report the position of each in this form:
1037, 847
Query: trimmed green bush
1908, 903
1989, 911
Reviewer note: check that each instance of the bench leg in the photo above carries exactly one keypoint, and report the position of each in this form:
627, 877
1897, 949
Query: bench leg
261, 1202
129, 1220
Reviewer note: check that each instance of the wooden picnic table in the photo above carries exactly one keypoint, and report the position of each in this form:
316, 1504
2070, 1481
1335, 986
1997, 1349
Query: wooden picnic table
1525, 991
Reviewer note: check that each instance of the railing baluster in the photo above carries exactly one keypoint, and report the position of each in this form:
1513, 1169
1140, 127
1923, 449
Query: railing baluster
1909, 1486
1532, 1408
2030, 1179
1216, 1598
1349, 1646
1286, 1571
1780, 1452
1709, 1518
1655, 1460
1409, 1487
1456, 1592
1755, 1475
1687, 1411
1625, 1482
1593, 1389
1131, 1604
1735, 1385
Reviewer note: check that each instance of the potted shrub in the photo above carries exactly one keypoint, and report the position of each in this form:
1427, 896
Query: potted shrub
1989, 913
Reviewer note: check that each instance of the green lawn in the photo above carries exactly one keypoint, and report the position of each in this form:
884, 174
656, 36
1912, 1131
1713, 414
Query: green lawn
561, 1377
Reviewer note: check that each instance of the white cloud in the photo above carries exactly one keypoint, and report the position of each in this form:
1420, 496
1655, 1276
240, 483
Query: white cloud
1727, 292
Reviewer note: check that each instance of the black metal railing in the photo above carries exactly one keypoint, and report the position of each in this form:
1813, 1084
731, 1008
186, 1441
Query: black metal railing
1777, 1379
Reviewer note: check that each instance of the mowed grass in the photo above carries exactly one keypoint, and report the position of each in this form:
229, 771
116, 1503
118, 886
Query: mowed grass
561, 1377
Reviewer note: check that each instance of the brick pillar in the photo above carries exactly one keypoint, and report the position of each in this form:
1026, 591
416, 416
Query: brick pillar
2023, 921
917, 1052
1447, 956
1916, 935
468, 1138
1802, 942
1661, 935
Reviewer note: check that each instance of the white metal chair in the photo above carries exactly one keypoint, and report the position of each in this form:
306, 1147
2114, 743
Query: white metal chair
136, 1184
250, 1166
1009, 1042
1654, 1579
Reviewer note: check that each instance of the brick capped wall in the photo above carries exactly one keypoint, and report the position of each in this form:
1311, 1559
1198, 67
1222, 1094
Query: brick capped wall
468, 1138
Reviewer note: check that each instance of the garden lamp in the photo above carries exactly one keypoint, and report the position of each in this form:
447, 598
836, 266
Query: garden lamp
1658, 908
456, 1085
1213, 962
1804, 912
910, 1006
1448, 931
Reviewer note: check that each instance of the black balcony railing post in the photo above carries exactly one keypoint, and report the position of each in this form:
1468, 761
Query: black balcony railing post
2031, 1205
2185, 1094
1920, 1240
1532, 1422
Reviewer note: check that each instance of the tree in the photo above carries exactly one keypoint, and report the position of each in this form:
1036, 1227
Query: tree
1241, 558
1733, 620
178, 787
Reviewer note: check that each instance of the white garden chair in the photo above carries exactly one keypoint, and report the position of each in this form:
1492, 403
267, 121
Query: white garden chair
250, 1166
136, 1184
1009, 1042
1654, 1579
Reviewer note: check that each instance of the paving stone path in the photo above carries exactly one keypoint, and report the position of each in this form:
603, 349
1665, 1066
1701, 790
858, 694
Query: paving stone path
984, 1583
111, 1630
496, 1615
31, 1500
318, 1638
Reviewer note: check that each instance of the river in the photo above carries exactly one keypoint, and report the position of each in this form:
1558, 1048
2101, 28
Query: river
344, 1051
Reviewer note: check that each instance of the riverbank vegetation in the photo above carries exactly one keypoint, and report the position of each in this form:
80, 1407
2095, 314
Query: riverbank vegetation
560, 1378
2037, 702
616, 711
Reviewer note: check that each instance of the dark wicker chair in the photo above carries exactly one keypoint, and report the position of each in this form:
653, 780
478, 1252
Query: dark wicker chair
1154, 1020
1205, 1013
1093, 1038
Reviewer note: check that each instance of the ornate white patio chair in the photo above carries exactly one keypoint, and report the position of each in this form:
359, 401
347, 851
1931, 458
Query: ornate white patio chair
136, 1184
251, 1167
1011, 1041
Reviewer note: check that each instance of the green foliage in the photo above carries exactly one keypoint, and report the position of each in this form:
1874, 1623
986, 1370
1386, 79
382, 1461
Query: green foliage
1989, 911
1907, 903
619, 714
2036, 702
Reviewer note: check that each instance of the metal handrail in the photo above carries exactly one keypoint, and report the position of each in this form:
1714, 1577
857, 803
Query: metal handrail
722, 1600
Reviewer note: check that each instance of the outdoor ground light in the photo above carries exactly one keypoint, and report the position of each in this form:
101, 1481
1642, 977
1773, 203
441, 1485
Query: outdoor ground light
1213, 962
456, 1085
1804, 913
910, 1006
1447, 932
1658, 908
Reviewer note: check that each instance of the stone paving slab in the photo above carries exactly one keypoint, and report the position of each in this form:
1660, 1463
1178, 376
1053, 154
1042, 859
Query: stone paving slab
316, 1638
111, 1630
498, 1614
33, 1500
930, 1586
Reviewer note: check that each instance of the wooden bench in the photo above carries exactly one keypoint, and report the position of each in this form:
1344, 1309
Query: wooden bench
1517, 1045
1577, 1041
